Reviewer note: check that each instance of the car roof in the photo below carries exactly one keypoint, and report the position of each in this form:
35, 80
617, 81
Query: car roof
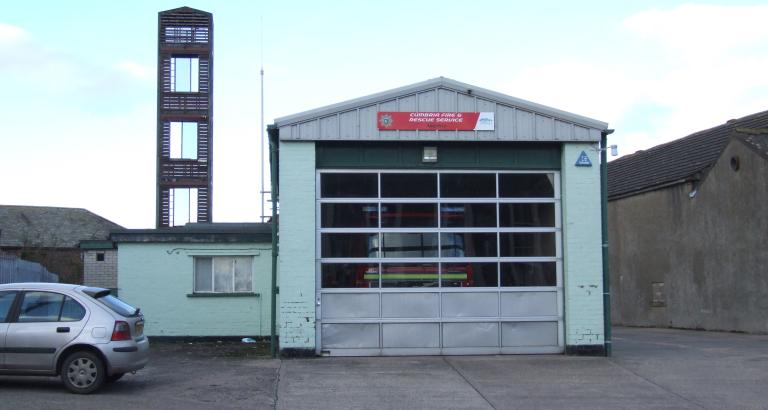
39, 286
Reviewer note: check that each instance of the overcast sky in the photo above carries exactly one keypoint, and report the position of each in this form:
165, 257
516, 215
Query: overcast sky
79, 87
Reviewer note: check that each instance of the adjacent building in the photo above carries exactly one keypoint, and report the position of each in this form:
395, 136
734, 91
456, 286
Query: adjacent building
688, 229
198, 279
51, 236
100, 264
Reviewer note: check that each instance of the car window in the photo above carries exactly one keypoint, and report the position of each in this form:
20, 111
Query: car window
118, 306
71, 311
41, 307
6, 301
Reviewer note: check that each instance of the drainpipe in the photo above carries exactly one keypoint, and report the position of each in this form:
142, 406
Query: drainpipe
274, 196
604, 223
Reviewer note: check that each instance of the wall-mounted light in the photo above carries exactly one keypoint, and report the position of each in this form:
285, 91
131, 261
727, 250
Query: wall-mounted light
614, 149
429, 154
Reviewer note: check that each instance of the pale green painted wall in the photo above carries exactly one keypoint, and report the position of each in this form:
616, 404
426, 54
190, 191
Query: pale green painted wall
297, 245
157, 277
582, 247
582, 262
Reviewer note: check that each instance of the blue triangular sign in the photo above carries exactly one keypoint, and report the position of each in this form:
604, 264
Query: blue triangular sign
583, 160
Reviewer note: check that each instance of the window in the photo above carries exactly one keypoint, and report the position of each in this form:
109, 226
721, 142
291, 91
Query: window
415, 229
118, 306
100, 257
340, 215
528, 274
6, 301
49, 307
71, 311
183, 140
185, 74
183, 206
223, 274
348, 185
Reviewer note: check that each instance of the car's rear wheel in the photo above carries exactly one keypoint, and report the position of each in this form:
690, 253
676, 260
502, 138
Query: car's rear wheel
82, 372
114, 377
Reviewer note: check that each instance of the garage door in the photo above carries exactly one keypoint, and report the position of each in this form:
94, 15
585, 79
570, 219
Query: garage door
438, 262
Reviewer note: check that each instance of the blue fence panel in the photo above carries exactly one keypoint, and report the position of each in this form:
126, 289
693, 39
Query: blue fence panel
14, 270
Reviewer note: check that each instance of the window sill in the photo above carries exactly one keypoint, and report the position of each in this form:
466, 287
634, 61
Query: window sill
223, 295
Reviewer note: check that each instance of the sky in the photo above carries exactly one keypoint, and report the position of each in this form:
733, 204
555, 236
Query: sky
78, 106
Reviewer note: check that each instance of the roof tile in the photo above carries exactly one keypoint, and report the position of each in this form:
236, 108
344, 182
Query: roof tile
676, 161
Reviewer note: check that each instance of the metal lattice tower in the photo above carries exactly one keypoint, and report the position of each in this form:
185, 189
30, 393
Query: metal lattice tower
184, 115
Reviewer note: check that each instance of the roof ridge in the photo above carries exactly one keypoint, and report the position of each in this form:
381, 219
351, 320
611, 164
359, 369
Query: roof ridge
732, 122
676, 160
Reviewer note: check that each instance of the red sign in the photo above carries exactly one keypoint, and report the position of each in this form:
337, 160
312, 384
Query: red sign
440, 121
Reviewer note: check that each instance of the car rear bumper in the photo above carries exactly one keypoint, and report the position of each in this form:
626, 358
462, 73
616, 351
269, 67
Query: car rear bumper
128, 356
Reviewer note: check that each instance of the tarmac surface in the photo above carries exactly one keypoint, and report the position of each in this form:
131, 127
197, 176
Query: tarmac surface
650, 368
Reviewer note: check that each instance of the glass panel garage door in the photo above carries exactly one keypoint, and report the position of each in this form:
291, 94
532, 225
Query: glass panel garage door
448, 262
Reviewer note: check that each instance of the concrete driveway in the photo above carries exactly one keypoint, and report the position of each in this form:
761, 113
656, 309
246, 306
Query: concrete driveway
651, 368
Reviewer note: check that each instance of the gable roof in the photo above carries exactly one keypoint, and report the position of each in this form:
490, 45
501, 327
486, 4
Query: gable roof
50, 227
675, 162
185, 10
516, 119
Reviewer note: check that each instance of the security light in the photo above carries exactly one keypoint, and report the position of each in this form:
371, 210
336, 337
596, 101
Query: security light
429, 154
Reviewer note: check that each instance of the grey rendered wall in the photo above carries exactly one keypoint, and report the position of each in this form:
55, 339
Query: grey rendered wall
709, 251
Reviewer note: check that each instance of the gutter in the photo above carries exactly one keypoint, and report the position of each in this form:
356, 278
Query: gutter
604, 223
274, 189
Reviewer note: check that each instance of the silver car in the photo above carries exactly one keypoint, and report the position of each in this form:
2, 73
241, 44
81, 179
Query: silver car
82, 334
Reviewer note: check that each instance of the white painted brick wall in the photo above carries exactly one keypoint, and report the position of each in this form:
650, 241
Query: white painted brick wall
297, 245
582, 247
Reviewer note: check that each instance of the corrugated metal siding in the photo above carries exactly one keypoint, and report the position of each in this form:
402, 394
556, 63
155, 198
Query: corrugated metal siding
512, 123
15, 270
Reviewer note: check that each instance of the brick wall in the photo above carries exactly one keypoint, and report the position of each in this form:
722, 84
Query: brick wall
97, 273
582, 247
297, 245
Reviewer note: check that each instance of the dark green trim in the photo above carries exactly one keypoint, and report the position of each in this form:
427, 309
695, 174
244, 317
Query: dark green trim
585, 350
274, 171
97, 245
223, 295
295, 352
451, 155
604, 230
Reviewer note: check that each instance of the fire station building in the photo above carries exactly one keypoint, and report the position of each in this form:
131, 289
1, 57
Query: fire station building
439, 218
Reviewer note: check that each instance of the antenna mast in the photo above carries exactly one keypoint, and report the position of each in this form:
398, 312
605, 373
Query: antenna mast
261, 147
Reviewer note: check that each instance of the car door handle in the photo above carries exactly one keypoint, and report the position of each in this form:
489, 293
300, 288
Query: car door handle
62, 330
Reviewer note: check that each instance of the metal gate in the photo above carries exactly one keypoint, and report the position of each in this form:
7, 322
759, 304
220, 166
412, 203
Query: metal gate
438, 262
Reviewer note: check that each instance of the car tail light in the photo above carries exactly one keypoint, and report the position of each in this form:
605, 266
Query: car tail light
122, 331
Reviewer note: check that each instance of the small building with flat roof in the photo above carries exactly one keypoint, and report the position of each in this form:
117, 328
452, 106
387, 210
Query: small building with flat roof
203, 279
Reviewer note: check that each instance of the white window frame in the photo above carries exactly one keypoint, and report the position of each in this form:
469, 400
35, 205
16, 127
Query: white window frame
182, 135
185, 73
183, 209
213, 258
439, 200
